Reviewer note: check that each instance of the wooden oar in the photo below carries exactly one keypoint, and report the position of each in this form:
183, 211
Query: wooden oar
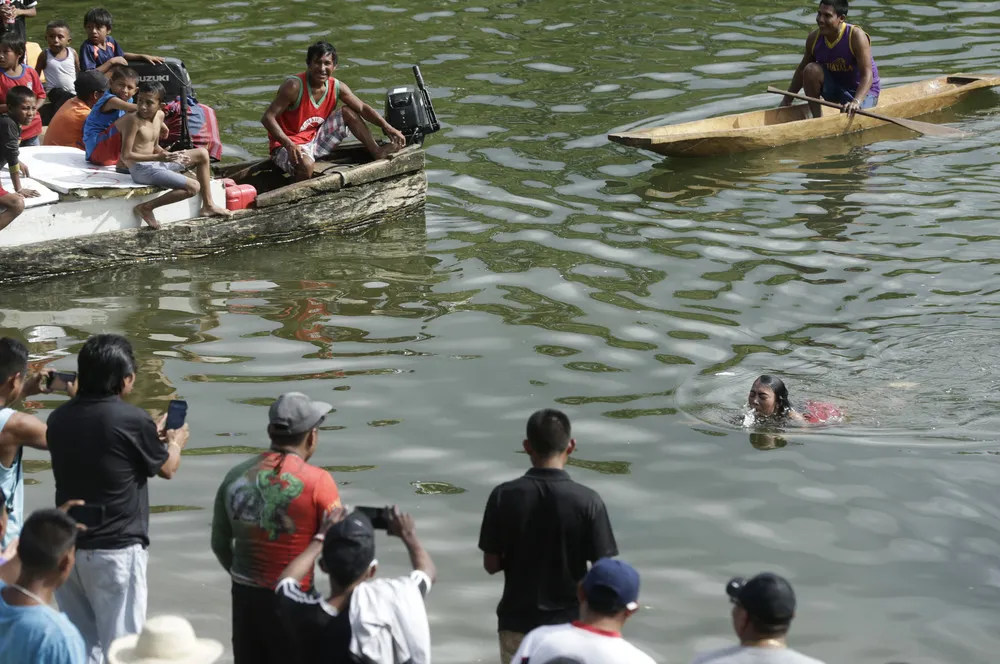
913, 125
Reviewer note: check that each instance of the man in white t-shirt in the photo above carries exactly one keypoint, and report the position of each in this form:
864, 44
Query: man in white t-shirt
608, 595
763, 608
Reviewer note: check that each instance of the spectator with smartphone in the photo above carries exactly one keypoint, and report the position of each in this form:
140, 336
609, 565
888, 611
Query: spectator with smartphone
379, 621
30, 629
17, 431
541, 530
266, 512
104, 450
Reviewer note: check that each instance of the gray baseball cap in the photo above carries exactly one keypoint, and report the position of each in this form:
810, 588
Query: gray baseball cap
294, 413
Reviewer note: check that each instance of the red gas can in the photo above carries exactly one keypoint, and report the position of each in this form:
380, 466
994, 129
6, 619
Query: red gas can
228, 182
240, 196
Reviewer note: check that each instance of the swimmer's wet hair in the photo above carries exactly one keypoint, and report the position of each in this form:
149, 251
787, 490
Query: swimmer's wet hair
319, 49
781, 403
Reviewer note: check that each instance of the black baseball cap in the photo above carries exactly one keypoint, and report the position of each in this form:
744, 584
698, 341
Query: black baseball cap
349, 548
767, 598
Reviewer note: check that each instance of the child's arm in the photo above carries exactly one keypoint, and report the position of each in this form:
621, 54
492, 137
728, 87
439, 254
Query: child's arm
76, 60
116, 104
43, 60
36, 85
151, 59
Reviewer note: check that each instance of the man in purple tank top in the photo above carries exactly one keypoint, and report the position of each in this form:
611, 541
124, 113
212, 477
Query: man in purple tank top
838, 63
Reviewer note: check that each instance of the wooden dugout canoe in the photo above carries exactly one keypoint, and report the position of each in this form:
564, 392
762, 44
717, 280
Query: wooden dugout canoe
96, 231
770, 128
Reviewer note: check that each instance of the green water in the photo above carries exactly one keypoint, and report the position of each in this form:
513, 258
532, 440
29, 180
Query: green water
642, 296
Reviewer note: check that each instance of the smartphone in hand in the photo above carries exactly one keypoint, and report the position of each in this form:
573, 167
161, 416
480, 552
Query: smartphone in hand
58, 381
379, 516
176, 414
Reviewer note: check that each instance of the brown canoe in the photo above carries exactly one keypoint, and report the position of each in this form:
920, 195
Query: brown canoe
770, 128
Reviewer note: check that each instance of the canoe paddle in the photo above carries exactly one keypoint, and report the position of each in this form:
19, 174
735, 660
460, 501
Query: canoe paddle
913, 125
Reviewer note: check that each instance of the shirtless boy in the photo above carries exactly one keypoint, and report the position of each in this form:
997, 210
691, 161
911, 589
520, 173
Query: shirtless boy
152, 165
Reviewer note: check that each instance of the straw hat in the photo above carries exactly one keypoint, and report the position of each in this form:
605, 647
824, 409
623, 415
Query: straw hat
164, 640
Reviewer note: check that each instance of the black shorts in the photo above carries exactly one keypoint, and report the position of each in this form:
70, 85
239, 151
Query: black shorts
258, 634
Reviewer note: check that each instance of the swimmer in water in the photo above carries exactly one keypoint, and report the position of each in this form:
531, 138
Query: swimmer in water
768, 399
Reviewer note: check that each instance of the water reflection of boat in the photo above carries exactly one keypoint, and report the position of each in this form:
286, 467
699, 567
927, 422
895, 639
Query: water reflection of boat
99, 230
770, 128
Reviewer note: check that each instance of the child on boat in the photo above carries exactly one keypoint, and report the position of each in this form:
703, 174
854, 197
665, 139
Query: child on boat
60, 64
768, 399
101, 51
20, 112
150, 164
66, 126
101, 139
15, 74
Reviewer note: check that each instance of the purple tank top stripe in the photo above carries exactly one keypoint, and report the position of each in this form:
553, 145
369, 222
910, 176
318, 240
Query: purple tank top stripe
840, 63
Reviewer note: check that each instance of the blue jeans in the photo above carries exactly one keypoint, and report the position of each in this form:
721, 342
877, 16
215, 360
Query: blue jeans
31, 142
832, 91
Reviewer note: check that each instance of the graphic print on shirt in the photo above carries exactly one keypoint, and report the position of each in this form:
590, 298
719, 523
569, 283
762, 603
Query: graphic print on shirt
265, 503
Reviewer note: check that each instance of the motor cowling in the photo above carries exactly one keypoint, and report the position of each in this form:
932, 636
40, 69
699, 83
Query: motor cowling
409, 109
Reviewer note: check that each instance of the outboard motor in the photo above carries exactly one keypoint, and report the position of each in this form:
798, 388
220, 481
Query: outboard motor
171, 74
409, 110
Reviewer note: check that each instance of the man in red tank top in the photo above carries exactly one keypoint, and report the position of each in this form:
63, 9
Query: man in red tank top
303, 122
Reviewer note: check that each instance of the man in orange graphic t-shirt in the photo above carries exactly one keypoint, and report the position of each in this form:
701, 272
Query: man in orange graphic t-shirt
266, 512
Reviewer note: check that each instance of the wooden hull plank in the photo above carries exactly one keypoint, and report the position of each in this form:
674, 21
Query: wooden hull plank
348, 210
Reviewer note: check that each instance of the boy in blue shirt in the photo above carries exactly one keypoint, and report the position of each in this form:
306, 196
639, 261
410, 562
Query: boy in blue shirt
101, 139
30, 629
101, 51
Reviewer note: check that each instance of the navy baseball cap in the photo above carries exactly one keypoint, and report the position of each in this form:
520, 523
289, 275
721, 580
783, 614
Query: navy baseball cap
612, 585
767, 597
349, 548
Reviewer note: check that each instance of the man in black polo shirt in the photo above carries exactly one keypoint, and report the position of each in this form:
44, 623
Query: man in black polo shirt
542, 529
104, 450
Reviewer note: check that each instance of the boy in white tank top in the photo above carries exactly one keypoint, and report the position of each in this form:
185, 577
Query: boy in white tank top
60, 64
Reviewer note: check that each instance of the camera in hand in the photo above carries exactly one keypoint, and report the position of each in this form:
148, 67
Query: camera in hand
88, 515
379, 516
176, 413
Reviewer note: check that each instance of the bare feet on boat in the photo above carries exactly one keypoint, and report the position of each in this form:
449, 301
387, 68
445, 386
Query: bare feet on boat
385, 150
215, 211
146, 214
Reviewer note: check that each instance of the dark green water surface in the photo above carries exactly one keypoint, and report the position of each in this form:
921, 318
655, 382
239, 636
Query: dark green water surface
642, 296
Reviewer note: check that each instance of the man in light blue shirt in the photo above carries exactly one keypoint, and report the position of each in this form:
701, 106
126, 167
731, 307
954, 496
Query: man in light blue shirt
31, 631
17, 430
